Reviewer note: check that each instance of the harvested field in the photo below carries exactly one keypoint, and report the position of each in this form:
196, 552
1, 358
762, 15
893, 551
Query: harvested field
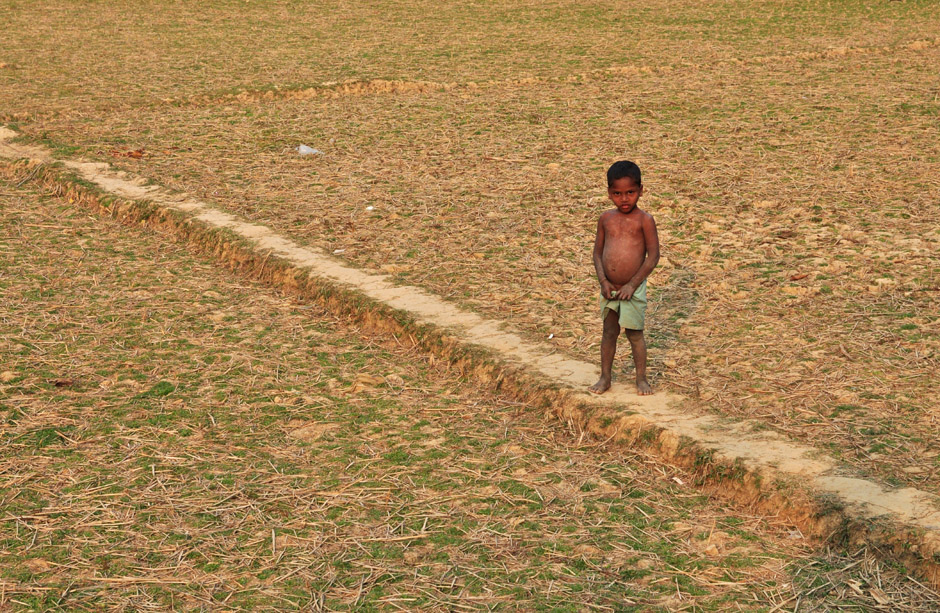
814, 214
790, 155
175, 437
60, 60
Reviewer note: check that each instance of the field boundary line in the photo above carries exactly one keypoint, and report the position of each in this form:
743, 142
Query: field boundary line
736, 459
376, 87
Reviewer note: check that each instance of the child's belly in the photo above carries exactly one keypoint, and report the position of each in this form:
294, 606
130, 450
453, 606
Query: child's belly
621, 264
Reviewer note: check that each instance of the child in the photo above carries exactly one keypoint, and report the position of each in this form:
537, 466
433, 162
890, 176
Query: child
626, 251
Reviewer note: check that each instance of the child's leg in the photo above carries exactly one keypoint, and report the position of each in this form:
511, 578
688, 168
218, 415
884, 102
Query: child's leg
608, 349
638, 345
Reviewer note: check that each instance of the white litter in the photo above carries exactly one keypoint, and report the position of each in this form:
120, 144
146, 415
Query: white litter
305, 150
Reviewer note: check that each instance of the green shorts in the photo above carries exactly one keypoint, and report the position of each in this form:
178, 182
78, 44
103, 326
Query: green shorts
632, 312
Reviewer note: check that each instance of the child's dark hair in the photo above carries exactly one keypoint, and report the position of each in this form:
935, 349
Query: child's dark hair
621, 169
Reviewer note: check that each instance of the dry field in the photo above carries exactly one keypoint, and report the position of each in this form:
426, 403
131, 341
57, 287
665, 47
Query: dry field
175, 437
791, 156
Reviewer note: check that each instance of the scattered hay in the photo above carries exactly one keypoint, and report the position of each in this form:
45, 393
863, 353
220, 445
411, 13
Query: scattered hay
195, 457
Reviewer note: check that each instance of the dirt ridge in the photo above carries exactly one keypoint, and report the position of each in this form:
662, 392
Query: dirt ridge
753, 467
375, 87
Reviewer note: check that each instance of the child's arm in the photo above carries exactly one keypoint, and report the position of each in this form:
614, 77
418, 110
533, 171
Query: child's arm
606, 287
651, 238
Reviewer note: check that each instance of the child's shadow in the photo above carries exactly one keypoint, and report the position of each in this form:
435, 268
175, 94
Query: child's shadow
672, 301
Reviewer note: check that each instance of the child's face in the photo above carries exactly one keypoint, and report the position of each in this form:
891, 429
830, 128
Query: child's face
624, 193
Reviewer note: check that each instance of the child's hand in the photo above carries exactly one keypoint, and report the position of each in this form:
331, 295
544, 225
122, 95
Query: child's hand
607, 289
626, 292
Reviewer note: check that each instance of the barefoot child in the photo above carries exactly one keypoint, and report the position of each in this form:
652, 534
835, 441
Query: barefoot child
626, 251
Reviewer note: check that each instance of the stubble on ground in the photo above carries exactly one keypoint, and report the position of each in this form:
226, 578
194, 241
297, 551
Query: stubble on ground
177, 437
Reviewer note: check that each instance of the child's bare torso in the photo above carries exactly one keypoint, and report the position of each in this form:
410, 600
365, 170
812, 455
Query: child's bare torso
624, 245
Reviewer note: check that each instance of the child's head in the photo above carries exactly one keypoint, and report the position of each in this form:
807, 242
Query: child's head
624, 186
624, 169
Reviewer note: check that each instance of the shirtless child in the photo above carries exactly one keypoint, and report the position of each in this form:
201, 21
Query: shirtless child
626, 251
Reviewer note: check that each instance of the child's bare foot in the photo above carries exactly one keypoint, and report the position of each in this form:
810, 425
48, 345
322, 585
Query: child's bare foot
602, 385
643, 388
